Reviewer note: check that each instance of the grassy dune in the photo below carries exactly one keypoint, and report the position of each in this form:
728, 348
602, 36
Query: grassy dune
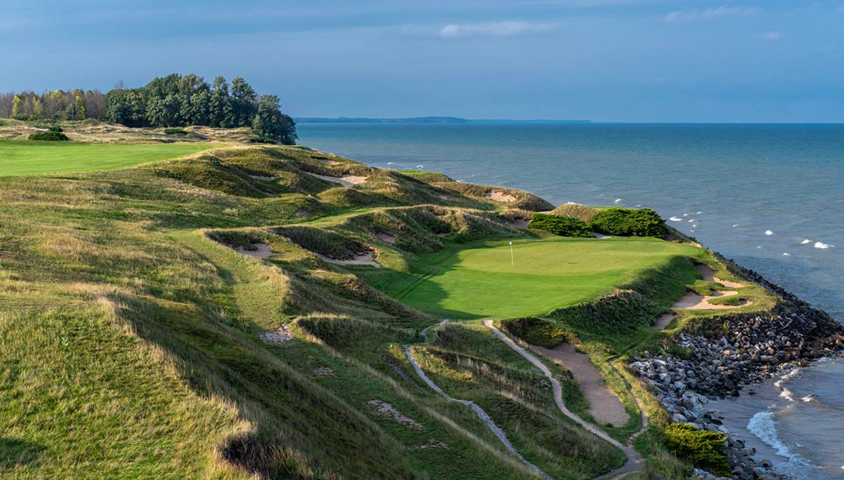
40, 158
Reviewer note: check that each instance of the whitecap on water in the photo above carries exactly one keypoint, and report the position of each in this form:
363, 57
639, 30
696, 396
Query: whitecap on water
762, 425
676, 219
617, 201
786, 254
735, 225
699, 213
768, 232
391, 163
420, 166
805, 242
822, 245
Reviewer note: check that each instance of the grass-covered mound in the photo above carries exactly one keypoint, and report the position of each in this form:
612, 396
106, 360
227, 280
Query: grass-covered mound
562, 226
49, 136
575, 210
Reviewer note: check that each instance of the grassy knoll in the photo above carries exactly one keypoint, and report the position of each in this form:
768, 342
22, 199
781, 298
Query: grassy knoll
39, 158
473, 281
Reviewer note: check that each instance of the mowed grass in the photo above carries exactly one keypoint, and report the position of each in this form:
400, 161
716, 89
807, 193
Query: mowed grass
42, 158
480, 281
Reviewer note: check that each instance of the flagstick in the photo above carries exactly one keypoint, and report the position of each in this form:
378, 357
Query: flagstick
512, 259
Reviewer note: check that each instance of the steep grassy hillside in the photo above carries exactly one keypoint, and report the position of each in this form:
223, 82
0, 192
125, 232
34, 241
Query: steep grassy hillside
237, 314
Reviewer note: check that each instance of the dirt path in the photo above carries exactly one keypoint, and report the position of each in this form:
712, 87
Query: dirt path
634, 460
604, 405
479, 412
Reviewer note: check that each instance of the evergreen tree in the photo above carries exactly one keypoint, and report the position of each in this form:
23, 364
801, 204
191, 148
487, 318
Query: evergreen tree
270, 123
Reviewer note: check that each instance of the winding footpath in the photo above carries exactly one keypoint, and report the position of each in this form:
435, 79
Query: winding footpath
634, 461
479, 412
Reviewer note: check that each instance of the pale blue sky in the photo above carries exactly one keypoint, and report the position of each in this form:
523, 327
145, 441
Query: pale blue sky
605, 60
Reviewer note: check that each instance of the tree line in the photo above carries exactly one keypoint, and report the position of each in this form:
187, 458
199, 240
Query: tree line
171, 101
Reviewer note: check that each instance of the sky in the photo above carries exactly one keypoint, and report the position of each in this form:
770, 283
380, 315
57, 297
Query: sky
603, 60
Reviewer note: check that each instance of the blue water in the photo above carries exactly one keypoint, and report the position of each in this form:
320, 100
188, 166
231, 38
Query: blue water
727, 184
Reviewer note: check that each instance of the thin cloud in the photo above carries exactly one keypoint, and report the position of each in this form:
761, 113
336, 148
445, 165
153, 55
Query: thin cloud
491, 29
771, 36
697, 15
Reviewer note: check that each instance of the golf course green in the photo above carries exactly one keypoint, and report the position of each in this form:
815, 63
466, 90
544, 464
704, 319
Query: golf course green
42, 158
480, 280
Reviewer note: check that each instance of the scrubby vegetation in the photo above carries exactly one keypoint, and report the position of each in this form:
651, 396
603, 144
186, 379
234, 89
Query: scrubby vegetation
627, 222
702, 448
562, 226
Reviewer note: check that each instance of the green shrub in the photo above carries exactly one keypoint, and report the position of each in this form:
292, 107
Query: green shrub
702, 448
563, 226
260, 140
175, 131
55, 128
626, 222
49, 137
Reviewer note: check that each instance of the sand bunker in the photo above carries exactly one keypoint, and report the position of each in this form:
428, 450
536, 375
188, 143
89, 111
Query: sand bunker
386, 237
693, 301
380, 408
601, 235
500, 196
262, 251
664, 320
709, 275
604, 405
363, 259
345, 180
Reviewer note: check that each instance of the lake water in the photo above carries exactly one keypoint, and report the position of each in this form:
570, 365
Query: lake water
769, 196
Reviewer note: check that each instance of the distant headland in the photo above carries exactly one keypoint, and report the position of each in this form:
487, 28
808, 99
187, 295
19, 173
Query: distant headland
426, 120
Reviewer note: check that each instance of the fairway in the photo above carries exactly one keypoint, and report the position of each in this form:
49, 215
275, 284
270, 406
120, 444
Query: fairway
36, 158
479, 281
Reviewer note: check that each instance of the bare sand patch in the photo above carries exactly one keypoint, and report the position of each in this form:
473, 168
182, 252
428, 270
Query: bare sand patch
601, 235
604, 405
345, 180
380, 408
386, 237
301, 213
664, 320
262, 251
362, 259
709, 275
276, 337
500, 196
519, 223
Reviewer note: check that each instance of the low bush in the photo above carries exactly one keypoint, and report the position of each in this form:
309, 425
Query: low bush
563, 226
702, 448
627, 222
55, 128
175, 131
49, 137
260, 140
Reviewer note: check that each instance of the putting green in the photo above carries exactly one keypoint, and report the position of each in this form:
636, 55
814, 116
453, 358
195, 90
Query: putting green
480, 281
41, 158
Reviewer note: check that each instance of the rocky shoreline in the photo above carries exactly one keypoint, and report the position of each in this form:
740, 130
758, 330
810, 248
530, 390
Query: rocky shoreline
727, 352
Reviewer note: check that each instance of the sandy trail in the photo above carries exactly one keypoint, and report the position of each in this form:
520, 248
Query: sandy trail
604, 405
262, 251
345, 180
500, 196
479, 412
634, 460
363, 259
